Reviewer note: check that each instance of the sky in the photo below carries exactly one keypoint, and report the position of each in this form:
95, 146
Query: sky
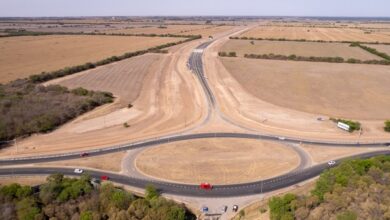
58, 8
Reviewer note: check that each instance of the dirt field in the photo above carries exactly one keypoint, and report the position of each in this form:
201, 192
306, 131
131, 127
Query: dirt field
23, 56
381, 48
124, 79
308, 33
110, 162
217, 161
320, 154
23, 180
307, 49
337, 90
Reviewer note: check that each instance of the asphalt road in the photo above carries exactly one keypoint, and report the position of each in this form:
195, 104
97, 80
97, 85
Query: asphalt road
263, 186
196, 65
170, 139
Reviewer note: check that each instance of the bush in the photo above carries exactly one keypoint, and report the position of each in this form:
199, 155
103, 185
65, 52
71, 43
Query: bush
387, 126
230, 54
126, 125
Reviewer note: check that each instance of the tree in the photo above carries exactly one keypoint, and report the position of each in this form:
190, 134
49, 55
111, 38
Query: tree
27, 209
86, 215
150, 192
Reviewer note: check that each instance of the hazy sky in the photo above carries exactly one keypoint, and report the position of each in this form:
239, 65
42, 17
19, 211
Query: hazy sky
362, 8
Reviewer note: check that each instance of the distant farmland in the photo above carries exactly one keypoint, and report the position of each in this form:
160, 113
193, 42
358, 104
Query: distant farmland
24, 56
298, 48
325, 34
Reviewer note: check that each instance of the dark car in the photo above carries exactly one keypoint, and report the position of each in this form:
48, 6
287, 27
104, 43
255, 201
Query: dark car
84, 154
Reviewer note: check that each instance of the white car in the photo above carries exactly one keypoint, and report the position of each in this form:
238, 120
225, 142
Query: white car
331, 163
282, 138
78, 171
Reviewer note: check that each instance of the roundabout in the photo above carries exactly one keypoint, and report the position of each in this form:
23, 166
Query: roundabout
217, 161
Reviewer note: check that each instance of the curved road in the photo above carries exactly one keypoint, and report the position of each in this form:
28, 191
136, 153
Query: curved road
196, 65
267, 185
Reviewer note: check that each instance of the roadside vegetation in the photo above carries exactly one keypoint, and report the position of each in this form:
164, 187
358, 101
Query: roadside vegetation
354, 189
68, 198
227, 54
372, 50
353, 125
315, 59
305, 40
294, 57
387, 126
27, 108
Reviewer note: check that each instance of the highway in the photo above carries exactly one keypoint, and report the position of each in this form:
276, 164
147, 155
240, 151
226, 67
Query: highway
258, 187
196, 65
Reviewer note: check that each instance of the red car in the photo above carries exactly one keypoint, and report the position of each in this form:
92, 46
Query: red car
84, 154
104, 178
206, 186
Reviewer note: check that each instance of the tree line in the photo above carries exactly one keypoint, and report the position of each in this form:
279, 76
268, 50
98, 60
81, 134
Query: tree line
356, 189
78, 199
33, 33
372, 50
46, 76
305, 40
27, 108
294, 57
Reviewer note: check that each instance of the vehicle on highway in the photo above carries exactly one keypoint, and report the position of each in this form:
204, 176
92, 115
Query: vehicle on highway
224, 208
282, 138
84, 154
206, 186
104, 178
78, 171
205, 209
235, 208
331, 163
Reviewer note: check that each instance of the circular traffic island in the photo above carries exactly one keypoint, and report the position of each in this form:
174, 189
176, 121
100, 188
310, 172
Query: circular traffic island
217, 161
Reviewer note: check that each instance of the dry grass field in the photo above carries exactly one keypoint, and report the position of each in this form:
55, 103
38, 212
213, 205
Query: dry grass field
110, 162
381, 48
298, 48
162, 29
338, 90
309, 33
124, 79
204, 30
218, 161
23, 56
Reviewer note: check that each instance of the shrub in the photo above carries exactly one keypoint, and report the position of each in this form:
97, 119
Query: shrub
151, 192
126, 125
387, 126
